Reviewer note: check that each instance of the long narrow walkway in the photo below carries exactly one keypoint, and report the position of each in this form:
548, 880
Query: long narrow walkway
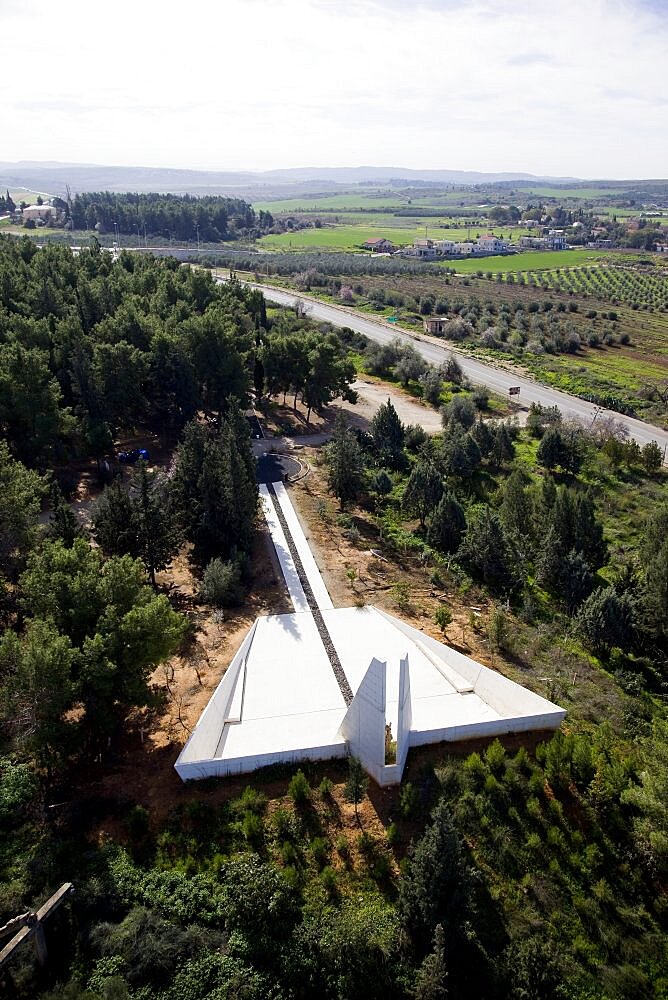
281, 506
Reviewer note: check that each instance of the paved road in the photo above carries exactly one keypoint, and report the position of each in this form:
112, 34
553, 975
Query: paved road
477, 371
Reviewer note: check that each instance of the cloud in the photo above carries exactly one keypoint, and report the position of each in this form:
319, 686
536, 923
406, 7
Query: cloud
533, 59
481, 84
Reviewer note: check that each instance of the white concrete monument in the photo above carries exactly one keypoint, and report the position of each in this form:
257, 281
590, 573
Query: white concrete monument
324, 682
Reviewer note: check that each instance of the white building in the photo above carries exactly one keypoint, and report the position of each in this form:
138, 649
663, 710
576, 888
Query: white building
444, 248
43, 212
491, 244
324, 682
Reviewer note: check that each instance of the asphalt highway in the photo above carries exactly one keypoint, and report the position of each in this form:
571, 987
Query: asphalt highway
481, 373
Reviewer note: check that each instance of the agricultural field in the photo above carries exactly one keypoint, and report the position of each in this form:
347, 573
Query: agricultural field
530, 260
22, 194
573, 193
639, 289
334, 202
340, 237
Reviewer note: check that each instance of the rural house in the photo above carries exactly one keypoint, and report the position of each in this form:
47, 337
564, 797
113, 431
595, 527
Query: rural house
379, 246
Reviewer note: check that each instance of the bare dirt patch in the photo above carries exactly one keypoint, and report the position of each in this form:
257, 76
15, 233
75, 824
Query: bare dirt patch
377, 572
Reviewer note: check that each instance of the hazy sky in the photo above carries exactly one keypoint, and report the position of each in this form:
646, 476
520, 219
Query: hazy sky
562, 87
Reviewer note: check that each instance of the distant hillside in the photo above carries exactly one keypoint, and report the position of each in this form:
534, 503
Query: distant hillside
54, 177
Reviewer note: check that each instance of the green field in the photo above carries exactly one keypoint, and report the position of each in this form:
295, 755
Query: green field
531, 260
332, 203
352, 237
343, 237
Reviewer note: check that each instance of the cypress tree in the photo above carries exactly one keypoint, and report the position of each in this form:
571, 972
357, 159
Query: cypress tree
423, 490
447, 525
387, 432
345, 463
63, 523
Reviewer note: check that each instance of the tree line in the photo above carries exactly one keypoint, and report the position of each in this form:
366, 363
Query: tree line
542, 531
182, 217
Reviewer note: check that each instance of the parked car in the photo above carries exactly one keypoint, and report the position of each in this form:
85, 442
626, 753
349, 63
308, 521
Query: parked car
131, 457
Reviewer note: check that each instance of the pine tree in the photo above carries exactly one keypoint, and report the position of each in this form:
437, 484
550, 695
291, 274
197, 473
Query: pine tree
503, 448
159, 536
576, 580
387, 432
63, 523
550, 450
139, 519
606, 620
459, 454
115, 522
432, 976
345, 463
356, 785
447, 525
515, 510
423, 490
487, 552
215, 488
435, 888
550, 558
483, 437
652, 457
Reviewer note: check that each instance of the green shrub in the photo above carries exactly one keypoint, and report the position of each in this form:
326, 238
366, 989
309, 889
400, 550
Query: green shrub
556, 839
392, 833
534, 809
286, 825
299, 789
522, 762
320, 852
537, 784
18, 785
342, 846
329, 881
221, 584
325, 789
409, 801
474, 770
534, 843
401, 594
497, 630
366, 843
491, 785
380, 866
443, 617
252, 828
289, 854
495, 756
250, 800
138, 823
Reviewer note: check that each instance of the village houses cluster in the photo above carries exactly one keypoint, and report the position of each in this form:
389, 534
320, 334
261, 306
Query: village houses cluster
483, 246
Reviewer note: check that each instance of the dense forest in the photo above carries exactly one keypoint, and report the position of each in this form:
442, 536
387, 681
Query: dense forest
521, 872
210, 218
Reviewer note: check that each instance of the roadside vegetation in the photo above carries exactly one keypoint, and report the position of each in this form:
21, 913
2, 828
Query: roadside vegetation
604, 350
